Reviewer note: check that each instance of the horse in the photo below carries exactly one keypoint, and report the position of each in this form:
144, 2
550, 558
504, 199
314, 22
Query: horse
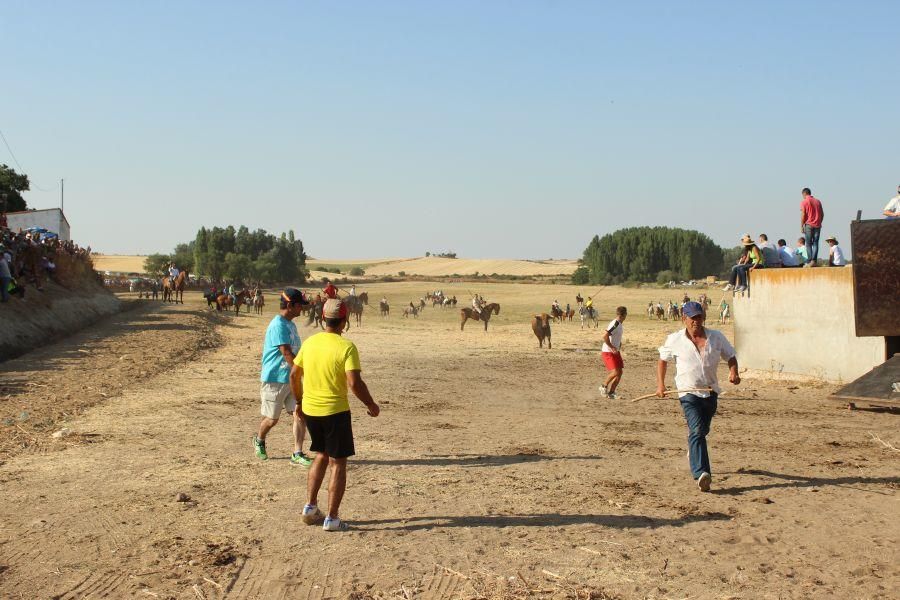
470, 313
421, 304
210, 298
589, 314
259, 302
385, 308
556, 313
224, 301
569, 315
650, 310
410, 310
174, 290
659, 312
540, 325
364, 298
578, 299
672, 312
354, 307
315, 314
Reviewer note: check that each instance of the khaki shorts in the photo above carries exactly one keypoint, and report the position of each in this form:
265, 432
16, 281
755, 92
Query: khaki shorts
274, 397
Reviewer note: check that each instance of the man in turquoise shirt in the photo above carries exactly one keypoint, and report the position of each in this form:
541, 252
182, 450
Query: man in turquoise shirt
280, 347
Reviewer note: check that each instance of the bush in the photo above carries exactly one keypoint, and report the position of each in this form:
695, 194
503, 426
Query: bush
664, 277
581, 276
402, 273
357, 272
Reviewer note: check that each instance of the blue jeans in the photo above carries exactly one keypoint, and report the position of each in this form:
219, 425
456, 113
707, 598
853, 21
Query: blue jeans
698, 412
812, 243
4, 288
739, 274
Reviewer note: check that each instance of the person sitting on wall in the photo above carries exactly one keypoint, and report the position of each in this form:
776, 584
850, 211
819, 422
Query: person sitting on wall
750, 260
788, 258
835, 254
771, 256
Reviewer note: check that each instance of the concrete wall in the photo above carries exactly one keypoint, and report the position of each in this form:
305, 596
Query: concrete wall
49, 218
801, 322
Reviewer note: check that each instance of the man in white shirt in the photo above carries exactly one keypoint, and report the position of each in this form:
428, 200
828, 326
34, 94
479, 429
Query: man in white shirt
835, 254
892, 210
788, 258
612, 343
696, 351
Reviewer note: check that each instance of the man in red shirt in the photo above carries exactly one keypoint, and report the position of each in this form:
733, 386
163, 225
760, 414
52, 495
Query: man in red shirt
330, 291
811, 216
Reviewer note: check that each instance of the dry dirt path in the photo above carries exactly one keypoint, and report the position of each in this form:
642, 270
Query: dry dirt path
493, 467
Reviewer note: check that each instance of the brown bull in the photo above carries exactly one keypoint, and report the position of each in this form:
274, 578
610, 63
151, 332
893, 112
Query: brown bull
540, 325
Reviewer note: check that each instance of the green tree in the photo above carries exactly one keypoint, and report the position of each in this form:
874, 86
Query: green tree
184, 257
12, 185
238, 266
581, 276
641, 253
157, 265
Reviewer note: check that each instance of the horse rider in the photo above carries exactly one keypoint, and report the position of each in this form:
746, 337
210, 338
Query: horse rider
589, 306
330, 291
231, 293
353, 290
477, 303
173, 273
556, 306
568, 309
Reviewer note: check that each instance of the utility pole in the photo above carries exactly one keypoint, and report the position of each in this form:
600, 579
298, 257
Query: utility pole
62, 195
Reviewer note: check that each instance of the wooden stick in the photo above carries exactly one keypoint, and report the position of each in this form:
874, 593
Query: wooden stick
875, 438
667, 392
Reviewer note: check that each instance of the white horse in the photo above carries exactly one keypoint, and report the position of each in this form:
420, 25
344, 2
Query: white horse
588, 314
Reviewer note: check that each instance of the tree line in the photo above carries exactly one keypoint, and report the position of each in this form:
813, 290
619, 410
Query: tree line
237, 254
12, 185
647, 254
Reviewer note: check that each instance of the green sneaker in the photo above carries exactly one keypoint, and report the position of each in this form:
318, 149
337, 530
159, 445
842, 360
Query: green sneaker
298, 458
260, 447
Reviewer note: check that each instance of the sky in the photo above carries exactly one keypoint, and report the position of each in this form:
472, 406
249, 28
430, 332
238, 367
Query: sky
493, 129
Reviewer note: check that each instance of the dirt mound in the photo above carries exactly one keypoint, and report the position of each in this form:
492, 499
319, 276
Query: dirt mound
45, 317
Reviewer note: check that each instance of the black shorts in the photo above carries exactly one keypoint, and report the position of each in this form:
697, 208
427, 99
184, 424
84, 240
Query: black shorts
331, 435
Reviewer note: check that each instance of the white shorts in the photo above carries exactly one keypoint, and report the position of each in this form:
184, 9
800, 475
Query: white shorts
274, 397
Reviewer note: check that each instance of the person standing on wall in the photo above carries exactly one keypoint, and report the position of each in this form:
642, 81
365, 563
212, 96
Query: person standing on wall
811, 218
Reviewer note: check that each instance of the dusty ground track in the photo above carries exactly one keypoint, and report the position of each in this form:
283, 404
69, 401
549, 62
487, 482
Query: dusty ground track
494, 467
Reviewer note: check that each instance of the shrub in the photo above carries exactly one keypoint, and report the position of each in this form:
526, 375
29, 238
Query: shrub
581, 276
357, 272
402, 273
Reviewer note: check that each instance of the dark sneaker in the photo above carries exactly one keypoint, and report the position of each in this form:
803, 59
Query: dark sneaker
260, 447
298, 458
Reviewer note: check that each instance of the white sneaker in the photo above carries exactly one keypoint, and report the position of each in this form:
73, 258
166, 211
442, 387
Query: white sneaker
603, 392
704, 481
740, 288
729, 287
312, 515
334, 524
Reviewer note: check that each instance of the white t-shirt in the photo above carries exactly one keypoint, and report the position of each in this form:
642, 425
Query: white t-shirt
614, 329
693, 369
838, 256
893, 205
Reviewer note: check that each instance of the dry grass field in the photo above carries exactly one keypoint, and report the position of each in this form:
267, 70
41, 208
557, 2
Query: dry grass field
494, 471
428, 267
117, 263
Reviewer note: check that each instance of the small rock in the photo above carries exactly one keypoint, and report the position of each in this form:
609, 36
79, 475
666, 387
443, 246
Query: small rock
763, 500
812, 489
209, 370
193, 562
64, 432
182, 497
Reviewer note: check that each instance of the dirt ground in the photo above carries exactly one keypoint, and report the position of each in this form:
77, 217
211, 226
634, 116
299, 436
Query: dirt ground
494, 470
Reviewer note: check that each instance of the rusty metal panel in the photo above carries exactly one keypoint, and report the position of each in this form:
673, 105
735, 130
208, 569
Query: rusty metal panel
876, 276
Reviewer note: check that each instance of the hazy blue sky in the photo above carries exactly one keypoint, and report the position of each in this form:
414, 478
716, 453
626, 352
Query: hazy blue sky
495, 129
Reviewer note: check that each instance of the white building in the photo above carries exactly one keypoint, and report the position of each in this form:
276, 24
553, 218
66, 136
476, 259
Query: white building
51, 219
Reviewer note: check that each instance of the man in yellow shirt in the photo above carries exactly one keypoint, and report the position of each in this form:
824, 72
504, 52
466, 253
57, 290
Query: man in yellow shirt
327, 366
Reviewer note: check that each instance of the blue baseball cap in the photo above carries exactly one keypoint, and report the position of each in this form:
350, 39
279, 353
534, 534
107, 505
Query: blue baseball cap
691, 309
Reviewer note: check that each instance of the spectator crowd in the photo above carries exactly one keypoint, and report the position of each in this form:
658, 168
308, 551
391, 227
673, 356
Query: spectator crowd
35, 255
763, 254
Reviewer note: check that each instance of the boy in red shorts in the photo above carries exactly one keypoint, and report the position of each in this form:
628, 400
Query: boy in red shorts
612, 343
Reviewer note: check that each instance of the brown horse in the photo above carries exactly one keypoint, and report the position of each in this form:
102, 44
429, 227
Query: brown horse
173, 291
224, 301
315, 314
569, 315
470, 313
385, 309
354, 307
364, 298
259, 302
556, 313
540, 325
